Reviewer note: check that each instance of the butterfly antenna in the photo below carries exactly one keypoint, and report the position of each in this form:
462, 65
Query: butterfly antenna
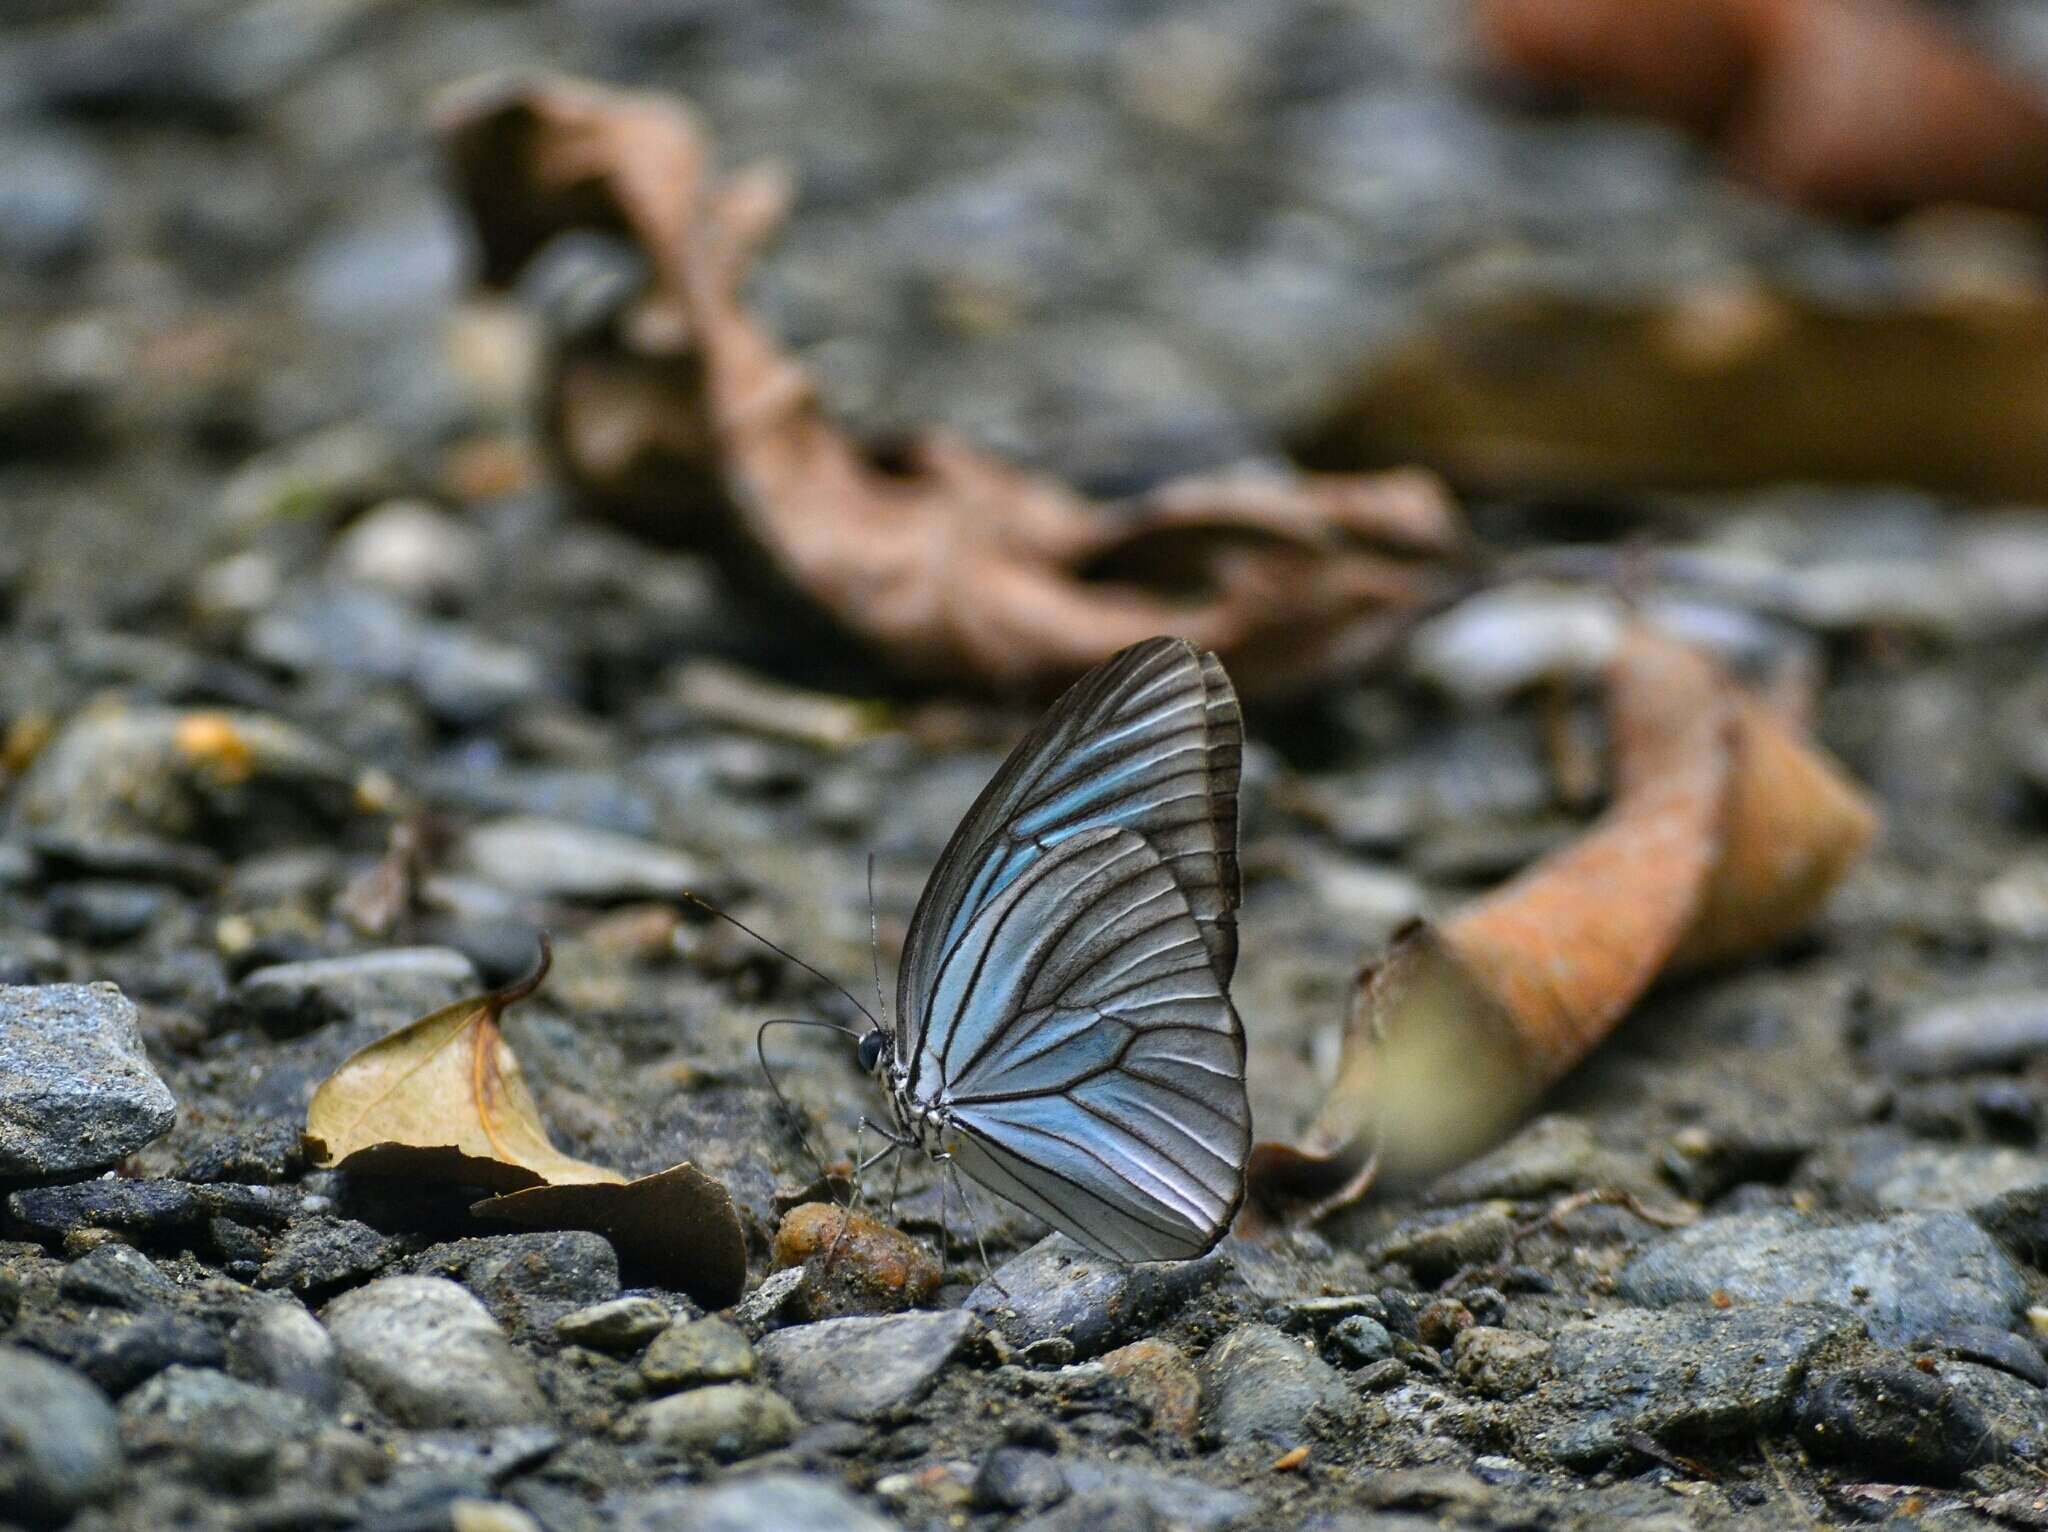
875, 939
824, 978
761, 1053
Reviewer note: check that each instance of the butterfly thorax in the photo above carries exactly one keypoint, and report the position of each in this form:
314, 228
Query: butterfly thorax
927, 1124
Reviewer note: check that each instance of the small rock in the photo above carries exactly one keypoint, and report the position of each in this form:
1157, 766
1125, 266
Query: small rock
1262, 1386
103, 912
1378, 1377
697, 1351
538, 858
133, 1209
775, 1301
414, 550
785, 1501
622, 1324
280, 1345
1356, 1342
226, 1430
1501, 1364
863, 1369
1961, 1036
1905, 1275
1107, 1497
2000, 1349
1434, 1250
386, 988
1159, 1376
1551, 1154
528, 1281
1693, 1373
1320, 1315
119, 1358
854, 1265
2005, 1190
60, 1446
77, 1091
261, 1154
1058, 1289
1441, 1321
319, 1255
465, 1515
726, 1421
1898, 1422
431, 1355
1018, 1479
119, 1276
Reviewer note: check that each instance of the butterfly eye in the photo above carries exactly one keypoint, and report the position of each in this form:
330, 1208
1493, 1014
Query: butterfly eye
871, 1051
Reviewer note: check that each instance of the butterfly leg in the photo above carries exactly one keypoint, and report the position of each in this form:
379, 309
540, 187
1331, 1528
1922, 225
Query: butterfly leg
953, 1175
894, 1146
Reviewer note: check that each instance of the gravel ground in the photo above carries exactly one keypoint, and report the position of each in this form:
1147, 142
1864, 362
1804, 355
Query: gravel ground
252, 469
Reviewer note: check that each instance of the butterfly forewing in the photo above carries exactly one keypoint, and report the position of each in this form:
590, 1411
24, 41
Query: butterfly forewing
1064, 995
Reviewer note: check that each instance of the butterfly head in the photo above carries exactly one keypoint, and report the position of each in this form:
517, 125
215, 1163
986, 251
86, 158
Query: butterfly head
874, 1047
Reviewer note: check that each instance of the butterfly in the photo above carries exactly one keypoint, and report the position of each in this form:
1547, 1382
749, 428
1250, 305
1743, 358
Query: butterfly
1064, 1032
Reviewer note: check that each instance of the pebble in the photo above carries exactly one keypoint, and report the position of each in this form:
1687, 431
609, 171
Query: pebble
1057, 1290
1904, 1276
539, 858
431, 1355
141, 1210
854, 1265
1018, 1479
1500, 1364
414, 550
2003, 1189
224, 1429
77, 1090
1692, 1373
1158, 1375
387, 988
119, 1358
1551, 1154
863, 1368
1896, 1422
319, 1255
60, 1447
693, 1352
1999, 1349
774, 1301
1435, 1249
1262, 1386
726, 1421
1107, 1497
281, 1346
53, 191
118, 1276
785, 1501
622, 1324
1358, 1341
1959, 1036
528, 1281
104, 912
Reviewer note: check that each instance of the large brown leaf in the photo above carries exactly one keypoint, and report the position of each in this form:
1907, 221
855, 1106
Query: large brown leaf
1725, 835
676, 412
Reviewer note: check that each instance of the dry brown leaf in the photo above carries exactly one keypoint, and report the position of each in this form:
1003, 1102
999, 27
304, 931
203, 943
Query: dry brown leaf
679, 415
443, 1099
1725, 835
677, 1226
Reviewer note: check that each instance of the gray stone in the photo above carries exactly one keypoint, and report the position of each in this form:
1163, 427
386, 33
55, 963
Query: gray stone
2015, 1413
697, 1351
775, 1299
1260, 1385
388, 988
60, 1446
1895, 1421
120, 1356
1682, 1375
135, 1209
319, 1255
726, 1421
2000, 1349
1357, 1341
1905, 1276
1057, 1290
621, 1324
119, 1276
224, 1429
482, 1458
1180, 1501
863, 1368
785, 1501
77, 1091
431, 1355
1958, 1036
1018, 1479
2004, 1189
280, 1345
1499, 1364
528, 1281
539, 858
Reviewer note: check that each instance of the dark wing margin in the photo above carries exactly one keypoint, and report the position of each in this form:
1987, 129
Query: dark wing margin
1150, 741
1094, 1067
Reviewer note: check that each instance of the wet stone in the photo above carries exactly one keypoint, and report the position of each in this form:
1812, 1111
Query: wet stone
540, 858
528, 1281
77, 1091
431, 1355
281, 1346
118, 1276
59, 1442
387, 988
1683, 1375
1260, 1386
1056, 1289
694, 1352
726, 1421
854, 1264
319, 1255
1895, 1421
1018, 1479
1904, 1275
622, 1324
142, 1210
863, 1368
221, 1428
785, 1501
